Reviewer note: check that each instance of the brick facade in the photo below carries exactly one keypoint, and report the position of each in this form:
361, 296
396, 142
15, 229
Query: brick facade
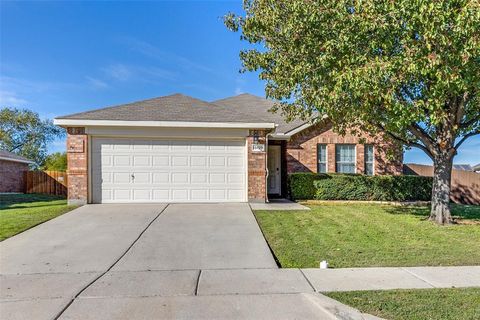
77, 158
257, 180
301, 151
12, 176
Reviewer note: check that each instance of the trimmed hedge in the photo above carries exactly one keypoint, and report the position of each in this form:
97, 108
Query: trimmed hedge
306, 186
301, 185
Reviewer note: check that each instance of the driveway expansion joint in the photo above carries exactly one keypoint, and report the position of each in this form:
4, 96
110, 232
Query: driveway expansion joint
198, 282
308, 280
418, 277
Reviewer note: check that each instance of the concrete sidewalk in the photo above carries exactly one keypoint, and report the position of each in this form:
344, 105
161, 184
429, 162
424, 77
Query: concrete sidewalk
352, 279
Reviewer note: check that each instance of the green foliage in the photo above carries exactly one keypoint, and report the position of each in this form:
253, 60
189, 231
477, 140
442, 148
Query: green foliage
56, 162
306, 186
395, 64
24, 133
301, 185
407, 70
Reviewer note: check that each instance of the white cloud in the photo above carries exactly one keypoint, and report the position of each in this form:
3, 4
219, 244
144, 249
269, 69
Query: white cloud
151, 51
11, 99
150, 74
118, 72
97, 83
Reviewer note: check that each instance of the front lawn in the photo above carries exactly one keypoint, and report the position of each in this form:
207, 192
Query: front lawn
19, 212
445, 304
359, 235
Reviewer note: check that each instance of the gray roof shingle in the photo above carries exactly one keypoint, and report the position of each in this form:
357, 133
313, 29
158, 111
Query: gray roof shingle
178, 107
175, 107
250, 104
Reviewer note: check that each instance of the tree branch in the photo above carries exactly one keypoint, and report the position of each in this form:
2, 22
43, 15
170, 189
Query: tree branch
407, 142
465, 137
423, 136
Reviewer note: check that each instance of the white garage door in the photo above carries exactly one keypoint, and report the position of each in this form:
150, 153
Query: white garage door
150, 170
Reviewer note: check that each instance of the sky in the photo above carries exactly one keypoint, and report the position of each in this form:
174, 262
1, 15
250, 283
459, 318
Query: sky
58, 58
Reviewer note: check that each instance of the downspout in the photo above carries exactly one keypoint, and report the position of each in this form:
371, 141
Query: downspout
266, 163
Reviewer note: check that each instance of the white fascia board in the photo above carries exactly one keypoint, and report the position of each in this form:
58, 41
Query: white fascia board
16, 160
171, 124
279, 136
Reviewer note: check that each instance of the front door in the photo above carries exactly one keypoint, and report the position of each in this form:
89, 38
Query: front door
274, 170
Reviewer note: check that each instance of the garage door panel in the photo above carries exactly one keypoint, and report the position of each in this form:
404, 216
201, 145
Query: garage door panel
141, 161
199, 178
179, 161
141, 194
161, 177
121, 160
161, 195
141, 177
159, 161
151, 170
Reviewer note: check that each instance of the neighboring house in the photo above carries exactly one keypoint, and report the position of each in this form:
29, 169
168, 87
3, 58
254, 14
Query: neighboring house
181, 149
464, 167
476, 168
12, 168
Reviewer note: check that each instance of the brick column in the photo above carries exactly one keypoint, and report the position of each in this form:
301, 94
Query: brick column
257, 180
360, 150
331, 158
77, 160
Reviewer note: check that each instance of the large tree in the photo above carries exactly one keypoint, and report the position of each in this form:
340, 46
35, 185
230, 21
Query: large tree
24, 133
408, 69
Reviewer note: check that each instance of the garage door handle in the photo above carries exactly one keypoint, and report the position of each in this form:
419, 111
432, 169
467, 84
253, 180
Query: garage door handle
133, 176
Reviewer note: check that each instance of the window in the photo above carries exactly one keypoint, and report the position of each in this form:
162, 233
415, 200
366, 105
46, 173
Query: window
345, 157
369, 159
322, 158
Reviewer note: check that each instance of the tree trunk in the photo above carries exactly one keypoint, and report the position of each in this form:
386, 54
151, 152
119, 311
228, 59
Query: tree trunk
442, 175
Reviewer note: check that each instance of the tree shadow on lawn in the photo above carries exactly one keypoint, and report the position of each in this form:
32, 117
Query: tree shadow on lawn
15, 200
460, 212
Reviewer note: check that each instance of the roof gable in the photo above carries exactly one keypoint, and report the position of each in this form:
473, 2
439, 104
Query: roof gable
176, 107
251, 104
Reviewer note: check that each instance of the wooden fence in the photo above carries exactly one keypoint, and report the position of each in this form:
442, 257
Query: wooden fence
49, 182
465, 184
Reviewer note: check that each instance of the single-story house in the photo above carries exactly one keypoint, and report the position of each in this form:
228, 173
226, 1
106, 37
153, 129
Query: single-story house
12, 169
181, 149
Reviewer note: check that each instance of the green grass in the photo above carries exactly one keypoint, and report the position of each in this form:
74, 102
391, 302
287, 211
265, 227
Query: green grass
445, 304
19, 212
357, 235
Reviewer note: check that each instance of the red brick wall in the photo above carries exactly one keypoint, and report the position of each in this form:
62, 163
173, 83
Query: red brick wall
302, 151
77, 158
256, 169
12, 176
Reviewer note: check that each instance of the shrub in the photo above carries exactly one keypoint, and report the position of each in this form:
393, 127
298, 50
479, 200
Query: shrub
359, 187
300, 185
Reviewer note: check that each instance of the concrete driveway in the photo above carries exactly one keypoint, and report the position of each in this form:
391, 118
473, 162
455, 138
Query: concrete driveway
180, 261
